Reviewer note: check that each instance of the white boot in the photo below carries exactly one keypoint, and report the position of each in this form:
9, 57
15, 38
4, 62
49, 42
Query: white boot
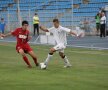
67, 65
67, 62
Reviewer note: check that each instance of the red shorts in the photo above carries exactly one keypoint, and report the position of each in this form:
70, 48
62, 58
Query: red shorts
26, 48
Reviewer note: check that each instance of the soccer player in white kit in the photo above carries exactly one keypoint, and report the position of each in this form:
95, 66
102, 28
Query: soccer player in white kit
59, 34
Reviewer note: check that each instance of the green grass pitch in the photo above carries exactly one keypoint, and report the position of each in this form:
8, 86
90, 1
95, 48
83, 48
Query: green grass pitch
89, 70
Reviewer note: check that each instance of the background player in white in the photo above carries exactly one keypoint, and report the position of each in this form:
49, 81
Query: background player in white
59, 34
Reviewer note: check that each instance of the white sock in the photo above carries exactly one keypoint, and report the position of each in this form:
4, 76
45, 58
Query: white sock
66, 60
1, 37
48, 58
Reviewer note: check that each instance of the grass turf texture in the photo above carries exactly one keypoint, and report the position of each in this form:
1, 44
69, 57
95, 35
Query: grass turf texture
89, 70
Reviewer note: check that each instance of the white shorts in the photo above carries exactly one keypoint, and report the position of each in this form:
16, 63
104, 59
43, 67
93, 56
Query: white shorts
60, 47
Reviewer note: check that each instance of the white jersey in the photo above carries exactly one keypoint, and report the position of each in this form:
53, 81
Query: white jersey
103, 20
59, 34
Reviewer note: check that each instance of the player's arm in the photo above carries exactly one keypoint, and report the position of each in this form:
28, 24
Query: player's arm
6, 35
76, 34
43, 29
36, 19
14, 33
70, 31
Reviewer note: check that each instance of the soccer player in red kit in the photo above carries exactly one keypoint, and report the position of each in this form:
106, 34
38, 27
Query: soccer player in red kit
22, 46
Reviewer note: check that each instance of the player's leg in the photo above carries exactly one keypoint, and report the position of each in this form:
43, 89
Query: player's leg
101, 31
65, 59
34, 29
49, 55
21, 51
2, 33
97, 27
104, 30
31, 53
37, 29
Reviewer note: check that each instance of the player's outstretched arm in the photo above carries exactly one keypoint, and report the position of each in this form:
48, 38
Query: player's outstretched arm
43, 29
6, 35
76, 34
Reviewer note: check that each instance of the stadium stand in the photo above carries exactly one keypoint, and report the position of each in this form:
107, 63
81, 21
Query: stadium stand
49, 9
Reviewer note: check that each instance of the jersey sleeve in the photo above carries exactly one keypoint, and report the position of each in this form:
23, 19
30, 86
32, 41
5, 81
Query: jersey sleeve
51, 30
27, 32
66, 29
15, 32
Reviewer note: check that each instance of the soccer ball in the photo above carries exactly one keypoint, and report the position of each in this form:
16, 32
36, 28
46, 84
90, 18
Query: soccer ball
43, 66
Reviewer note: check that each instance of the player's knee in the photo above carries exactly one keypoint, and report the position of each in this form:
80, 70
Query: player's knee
62, 55
22, 53
33, 56
52, 50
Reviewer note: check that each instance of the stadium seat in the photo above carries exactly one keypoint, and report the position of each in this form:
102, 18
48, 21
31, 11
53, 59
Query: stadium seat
51, 9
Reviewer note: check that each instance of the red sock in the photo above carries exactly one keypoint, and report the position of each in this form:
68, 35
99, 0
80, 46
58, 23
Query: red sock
35, 59
26, 60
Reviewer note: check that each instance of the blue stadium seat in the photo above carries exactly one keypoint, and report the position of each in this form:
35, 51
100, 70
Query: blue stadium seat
51, 9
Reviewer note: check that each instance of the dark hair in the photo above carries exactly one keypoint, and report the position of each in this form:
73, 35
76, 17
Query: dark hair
55, 20
97, 14
2, 18
24, 22
35, 13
